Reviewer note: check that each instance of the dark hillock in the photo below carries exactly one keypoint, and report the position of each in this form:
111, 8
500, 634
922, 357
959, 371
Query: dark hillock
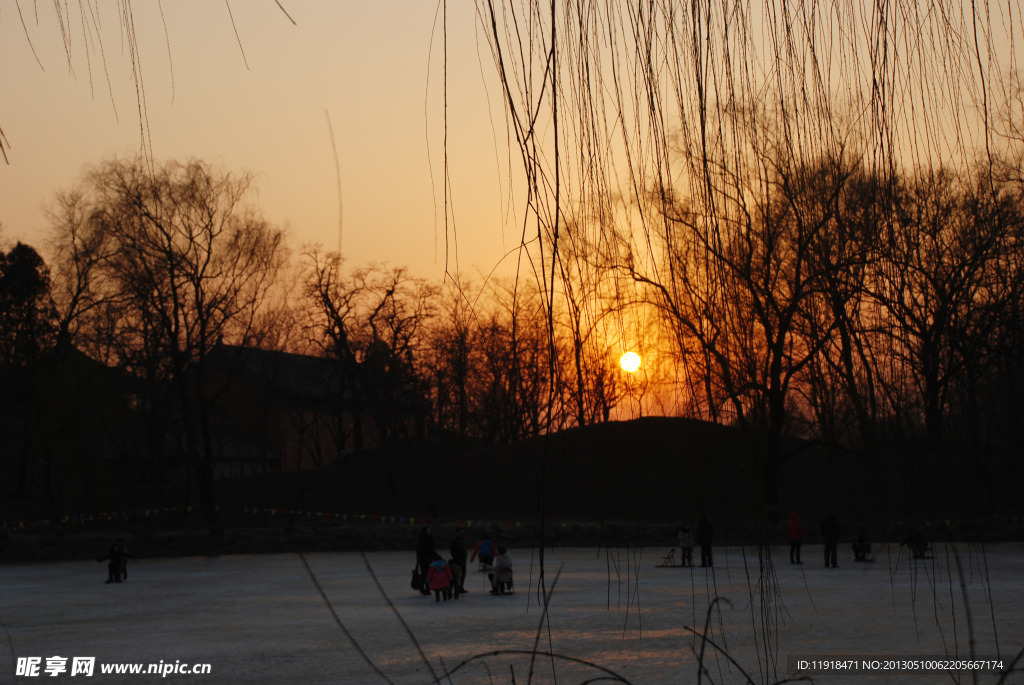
650, 469
618, 482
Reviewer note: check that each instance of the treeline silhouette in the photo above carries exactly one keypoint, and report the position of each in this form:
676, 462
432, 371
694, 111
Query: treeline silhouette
872, 315
876, 312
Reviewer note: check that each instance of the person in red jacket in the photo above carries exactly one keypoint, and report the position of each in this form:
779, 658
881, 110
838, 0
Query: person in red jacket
796, 538
439, 579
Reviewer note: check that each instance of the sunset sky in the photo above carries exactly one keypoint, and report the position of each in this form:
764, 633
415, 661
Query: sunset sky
376, 68
260, 102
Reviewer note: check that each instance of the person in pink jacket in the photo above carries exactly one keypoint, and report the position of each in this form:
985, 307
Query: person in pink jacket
439, 579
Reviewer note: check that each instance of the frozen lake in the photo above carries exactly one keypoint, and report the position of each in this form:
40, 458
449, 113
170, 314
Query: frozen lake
264, 619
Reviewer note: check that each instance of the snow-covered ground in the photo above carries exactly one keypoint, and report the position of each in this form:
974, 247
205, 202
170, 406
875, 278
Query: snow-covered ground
611, 612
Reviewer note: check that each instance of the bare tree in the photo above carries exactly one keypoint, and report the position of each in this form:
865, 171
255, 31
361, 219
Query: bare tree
740, 284
454, 360
181, 264
937, 282
841, 386
373, 321
80, 248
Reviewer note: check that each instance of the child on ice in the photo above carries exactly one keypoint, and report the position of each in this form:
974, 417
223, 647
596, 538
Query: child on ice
485, 550
439, 579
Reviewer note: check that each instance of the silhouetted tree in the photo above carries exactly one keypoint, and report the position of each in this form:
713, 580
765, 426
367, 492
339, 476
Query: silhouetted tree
935, 281
181, 263
841, 387
738, 281
27, 328
26, 317
453, 361
80, 248
373, 321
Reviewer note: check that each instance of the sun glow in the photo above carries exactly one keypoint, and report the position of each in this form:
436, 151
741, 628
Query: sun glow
630, 362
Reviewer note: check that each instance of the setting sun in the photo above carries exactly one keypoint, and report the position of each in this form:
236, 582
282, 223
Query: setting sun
630, 362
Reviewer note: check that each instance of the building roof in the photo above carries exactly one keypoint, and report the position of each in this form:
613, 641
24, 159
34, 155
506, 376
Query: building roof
292, 376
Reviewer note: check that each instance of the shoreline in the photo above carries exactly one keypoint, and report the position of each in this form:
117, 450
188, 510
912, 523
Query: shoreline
60, 544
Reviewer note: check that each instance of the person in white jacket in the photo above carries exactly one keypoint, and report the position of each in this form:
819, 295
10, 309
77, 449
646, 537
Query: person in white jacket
501, 573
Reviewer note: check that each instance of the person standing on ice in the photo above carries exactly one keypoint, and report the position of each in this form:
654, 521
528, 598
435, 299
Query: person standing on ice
685, 545
796, 538
439, 579
459, 554
705, 538
830, 535
425, 555
118, 561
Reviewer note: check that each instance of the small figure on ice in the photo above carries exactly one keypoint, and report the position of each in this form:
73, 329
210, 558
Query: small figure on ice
862, 546
685, 545
425, 555
796, 537
440, 579
485, 550
501, 574
705, 538
458, 560
830, 536
917, 543
117, 558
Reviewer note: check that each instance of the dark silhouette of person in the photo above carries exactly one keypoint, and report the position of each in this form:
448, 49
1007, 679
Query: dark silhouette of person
117, 559
459, 555
425, 555
917, 543
862, 545
705, 538
685, 545
830, 536
458, 578
485, 550
796, 537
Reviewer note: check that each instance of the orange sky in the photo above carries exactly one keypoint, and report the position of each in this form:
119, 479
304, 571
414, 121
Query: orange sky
364, 63
376, 67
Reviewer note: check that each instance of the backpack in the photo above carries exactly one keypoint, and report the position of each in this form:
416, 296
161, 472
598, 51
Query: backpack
485, 548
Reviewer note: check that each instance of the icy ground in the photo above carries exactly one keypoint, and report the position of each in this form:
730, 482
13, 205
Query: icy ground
263, 619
